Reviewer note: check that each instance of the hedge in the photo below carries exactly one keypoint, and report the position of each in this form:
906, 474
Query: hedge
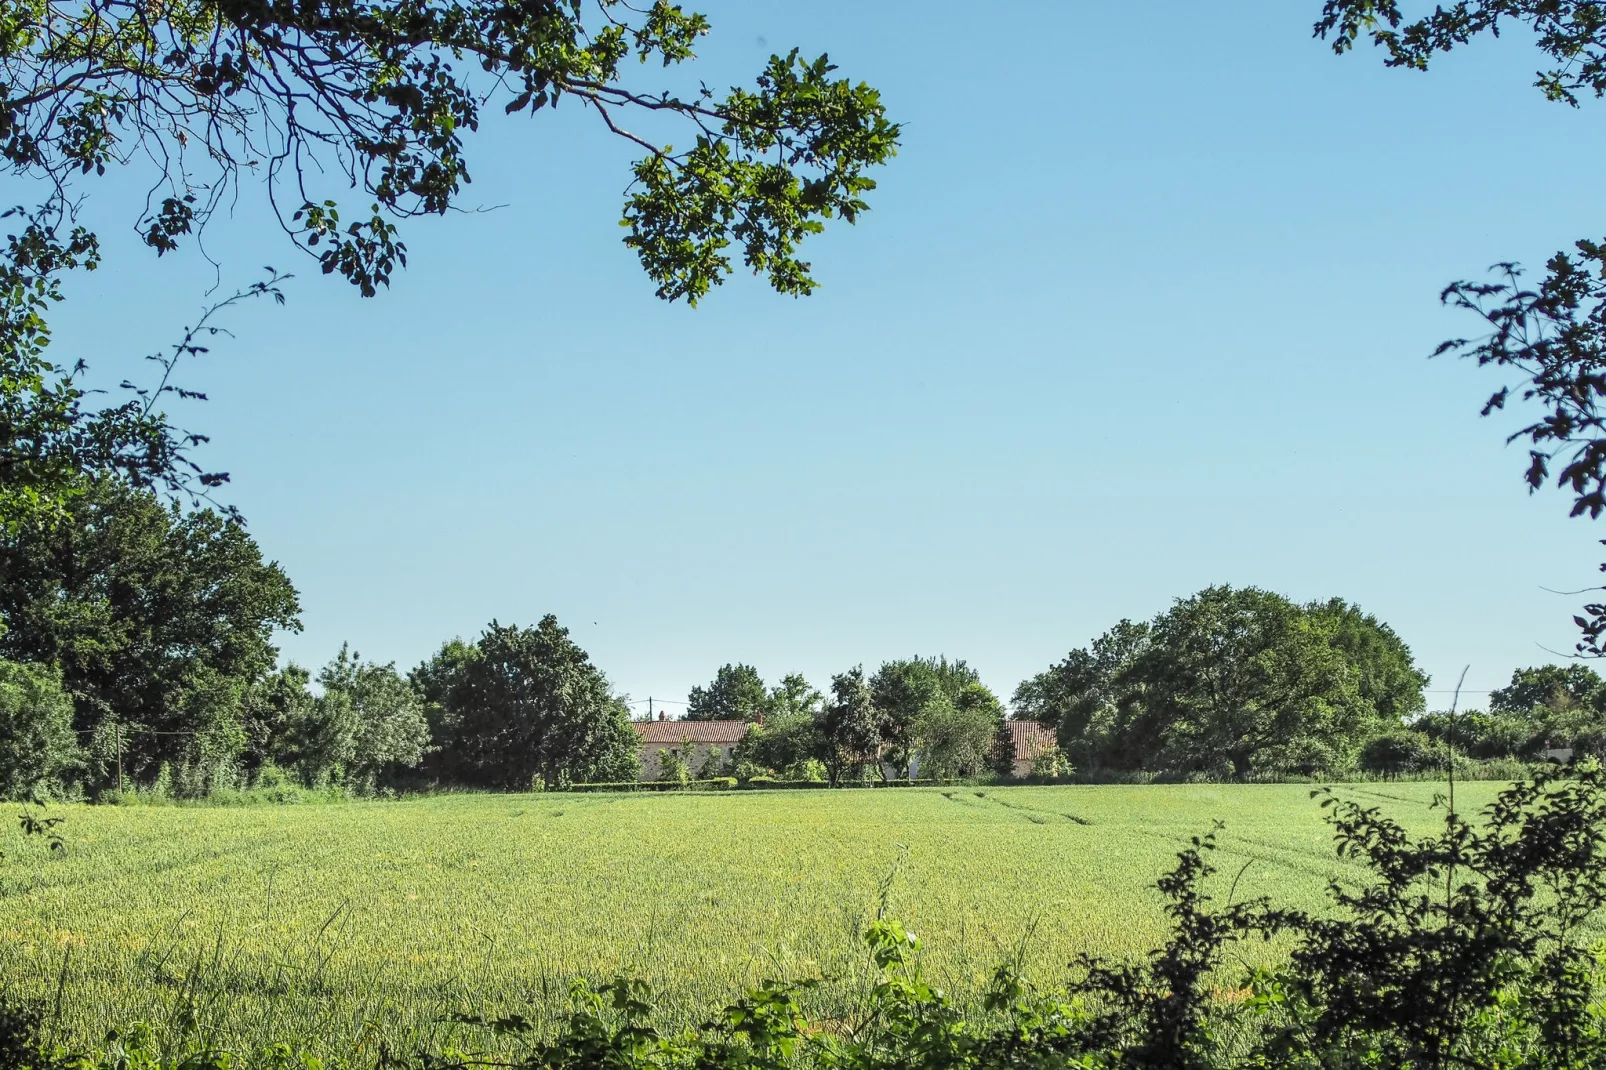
758, 783
719, 783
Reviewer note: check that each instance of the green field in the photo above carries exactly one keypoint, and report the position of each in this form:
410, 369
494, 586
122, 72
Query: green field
350, 922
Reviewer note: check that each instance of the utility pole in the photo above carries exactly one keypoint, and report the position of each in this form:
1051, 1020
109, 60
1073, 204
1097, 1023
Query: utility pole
649, 707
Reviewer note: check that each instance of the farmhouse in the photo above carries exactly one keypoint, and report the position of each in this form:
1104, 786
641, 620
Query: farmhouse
699, 741
694, 741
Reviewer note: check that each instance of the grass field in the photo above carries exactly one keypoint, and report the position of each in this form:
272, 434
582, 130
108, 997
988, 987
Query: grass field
348, 923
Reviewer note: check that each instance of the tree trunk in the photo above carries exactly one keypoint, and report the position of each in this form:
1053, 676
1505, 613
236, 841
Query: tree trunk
1240, 759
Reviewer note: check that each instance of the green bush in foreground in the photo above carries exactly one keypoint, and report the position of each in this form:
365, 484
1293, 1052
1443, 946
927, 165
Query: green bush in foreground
1459, 949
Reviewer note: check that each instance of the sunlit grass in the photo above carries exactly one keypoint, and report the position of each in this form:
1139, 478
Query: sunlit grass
364, 922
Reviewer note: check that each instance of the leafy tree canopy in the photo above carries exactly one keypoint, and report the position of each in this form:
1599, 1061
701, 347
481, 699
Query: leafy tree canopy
917, 702
793, 696
206, 99
957, 736
1094, 701
737, 693
38, 748
788, 738
849, 728
369, 721
1387, 677
277, 713
158, 618
900, 692
378, 96
434, 681
1552, 688
525, 705
1232, 673
1230, 682
1571, 32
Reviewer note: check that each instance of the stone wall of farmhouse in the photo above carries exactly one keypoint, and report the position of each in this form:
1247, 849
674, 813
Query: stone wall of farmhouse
696, 755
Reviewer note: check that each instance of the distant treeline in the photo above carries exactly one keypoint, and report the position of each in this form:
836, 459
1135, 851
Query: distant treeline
138, 652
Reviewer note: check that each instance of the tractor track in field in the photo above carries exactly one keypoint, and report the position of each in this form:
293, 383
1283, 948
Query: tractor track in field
1028, 811
1385, 795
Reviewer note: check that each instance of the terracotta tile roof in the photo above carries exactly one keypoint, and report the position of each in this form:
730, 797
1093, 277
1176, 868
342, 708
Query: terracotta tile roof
1031, 739
670, 733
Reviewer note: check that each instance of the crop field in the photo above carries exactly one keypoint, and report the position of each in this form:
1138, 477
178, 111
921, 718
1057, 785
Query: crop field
344, 925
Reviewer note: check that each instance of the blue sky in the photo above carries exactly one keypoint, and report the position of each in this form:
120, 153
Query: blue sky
1144, 304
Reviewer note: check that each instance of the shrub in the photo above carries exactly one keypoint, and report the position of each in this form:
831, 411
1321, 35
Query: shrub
1050, 763
1305, 758
672, 767
810, 771
723, 783
745, 771
1499, 769
269, 776
713, 765
1399, 752
37, 745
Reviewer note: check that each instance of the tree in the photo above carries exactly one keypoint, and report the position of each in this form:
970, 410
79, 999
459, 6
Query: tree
1549, 336
1550, 688
37, 746
737, 693
371, 722
375, 95
378, 96
1231, 673
954, 737
783, 743
849, 728
787, 737
1094, 702
159, 619
1230, 682
1399, 751
1001, 755
1475, 734
275, 713
900, 692
1387, 676
526, 705
672, 767
437, 682
903, 690
794, 695
953, 676
52, 444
